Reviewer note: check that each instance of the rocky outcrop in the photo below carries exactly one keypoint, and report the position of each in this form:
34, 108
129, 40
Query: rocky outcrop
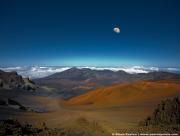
166, 113
29, 85
11, 80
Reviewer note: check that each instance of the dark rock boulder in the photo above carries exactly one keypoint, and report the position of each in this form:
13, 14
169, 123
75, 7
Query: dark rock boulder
166, 113
21, 107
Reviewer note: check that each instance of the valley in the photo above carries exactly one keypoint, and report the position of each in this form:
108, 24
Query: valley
114, 101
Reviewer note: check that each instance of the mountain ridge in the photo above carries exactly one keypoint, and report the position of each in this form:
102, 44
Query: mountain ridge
142, 92
74, 81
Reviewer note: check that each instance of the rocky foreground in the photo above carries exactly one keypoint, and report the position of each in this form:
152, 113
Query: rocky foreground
80, 127
165, 120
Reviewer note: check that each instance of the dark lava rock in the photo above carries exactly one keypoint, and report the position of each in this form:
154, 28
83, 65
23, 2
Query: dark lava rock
166, 113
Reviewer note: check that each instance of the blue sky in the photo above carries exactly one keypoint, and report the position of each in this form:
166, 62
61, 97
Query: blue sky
80, 33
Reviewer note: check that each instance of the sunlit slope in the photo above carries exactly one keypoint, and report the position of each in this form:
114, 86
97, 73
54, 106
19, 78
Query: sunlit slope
140, 93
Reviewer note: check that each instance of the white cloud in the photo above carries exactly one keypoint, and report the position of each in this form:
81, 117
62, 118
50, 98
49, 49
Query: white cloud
35, 71
11, 68
173, 69
131, 70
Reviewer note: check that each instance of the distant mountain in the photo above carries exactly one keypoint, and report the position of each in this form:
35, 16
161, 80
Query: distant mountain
127, 94
74, 81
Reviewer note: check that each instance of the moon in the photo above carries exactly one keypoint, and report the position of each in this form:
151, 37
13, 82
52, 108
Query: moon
116, 30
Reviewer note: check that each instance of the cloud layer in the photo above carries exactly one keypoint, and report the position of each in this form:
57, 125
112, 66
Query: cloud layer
39, 72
